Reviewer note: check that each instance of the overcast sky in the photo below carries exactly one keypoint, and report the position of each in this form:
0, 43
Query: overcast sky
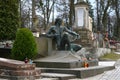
92, 2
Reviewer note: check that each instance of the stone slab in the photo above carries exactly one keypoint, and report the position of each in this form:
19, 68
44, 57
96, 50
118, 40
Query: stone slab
63, 59
58, 75
79, 72
6, 77
75, 64
48, 79
21, 72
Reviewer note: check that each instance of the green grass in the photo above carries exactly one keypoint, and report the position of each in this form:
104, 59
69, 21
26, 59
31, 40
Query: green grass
110, 56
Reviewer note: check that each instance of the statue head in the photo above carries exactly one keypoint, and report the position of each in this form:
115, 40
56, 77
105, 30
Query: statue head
58, 21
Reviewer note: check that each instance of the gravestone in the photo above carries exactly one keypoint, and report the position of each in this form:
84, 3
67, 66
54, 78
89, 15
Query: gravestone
18, 70
118, 47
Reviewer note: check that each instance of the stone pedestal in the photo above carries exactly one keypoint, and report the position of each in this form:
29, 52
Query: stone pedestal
83, 24
45, 46
85, 37
18, 70
51, 46
63, 59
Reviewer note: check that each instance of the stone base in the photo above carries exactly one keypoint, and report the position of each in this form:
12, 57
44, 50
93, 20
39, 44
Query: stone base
79, 72
75, 64
63, 59
58, 75
66, 62
85, 37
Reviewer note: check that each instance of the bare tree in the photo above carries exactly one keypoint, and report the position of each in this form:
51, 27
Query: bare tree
116, 7
25, 10
46, 6
102, 7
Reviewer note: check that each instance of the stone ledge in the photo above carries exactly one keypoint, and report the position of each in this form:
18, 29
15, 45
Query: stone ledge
79, 72
15, 65
75, 64
21, 72
18, 70
58, 75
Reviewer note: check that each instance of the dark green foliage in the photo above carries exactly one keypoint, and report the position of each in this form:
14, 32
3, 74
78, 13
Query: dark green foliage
9, 19
24, 45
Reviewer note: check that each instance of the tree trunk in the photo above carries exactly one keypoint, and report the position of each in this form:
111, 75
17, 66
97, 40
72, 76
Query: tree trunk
33, 14
71, 14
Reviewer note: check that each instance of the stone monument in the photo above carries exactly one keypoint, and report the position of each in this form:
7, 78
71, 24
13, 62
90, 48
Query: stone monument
65, 60
83, 23
64, 56
61, 36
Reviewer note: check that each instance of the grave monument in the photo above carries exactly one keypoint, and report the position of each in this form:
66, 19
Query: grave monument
63, 59
83, 23
64, 56
65, 52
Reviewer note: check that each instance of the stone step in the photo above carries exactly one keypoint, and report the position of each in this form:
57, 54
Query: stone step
35, 73
47, 79
8, 77
79, 72
58, 75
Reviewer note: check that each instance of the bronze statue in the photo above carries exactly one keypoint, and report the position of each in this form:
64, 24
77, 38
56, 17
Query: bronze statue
60, 35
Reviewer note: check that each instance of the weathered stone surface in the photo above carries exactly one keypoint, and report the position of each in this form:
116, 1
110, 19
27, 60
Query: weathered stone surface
15, 65
96, 51
76, 64
85, 37
63, 59
118, 47
48, 79
58, 75
24, 72
79, 72
18, 70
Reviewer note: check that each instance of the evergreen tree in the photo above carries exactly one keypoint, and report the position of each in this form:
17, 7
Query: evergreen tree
9, 19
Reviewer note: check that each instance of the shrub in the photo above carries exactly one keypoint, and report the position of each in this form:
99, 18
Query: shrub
24, 45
